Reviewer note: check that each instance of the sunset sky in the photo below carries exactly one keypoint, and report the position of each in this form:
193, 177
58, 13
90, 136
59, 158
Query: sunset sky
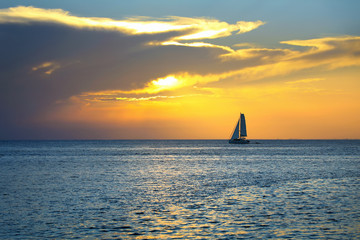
179, 69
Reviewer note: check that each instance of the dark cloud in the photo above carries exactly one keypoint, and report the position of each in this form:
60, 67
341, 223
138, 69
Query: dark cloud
85, 60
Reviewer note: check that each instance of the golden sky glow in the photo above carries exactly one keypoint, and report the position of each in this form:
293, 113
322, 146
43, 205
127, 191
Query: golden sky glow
177, 77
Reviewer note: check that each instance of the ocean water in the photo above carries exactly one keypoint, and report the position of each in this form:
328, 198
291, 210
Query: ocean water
180, 189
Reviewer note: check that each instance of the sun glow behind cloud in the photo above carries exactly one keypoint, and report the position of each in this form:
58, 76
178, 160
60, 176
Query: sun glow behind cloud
165, 83
270, 63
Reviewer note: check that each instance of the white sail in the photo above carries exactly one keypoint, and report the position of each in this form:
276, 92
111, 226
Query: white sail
242, 126
236, 131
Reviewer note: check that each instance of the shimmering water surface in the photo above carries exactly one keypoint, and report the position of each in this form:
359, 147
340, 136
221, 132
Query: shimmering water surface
180, 189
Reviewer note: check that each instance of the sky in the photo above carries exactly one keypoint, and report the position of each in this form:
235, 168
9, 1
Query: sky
171, 69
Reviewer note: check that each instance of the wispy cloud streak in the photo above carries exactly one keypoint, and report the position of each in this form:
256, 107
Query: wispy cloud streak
190, 28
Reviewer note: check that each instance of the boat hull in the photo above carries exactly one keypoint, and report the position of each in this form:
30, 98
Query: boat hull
239, 141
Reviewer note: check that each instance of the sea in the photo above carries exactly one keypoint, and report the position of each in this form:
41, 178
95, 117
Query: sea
180, 189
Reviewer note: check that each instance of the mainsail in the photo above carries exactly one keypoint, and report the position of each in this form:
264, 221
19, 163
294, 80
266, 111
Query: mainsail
243, 126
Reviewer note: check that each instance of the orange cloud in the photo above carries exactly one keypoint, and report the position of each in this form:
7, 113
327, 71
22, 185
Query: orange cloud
307, 80
267, 63
330, 53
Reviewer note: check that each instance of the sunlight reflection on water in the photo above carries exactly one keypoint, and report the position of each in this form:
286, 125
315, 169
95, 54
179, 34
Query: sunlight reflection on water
309, 208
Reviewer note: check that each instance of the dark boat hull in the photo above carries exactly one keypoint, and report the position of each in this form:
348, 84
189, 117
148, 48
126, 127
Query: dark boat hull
239, 141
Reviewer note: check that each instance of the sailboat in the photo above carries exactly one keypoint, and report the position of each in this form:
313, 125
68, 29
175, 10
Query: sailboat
239, 134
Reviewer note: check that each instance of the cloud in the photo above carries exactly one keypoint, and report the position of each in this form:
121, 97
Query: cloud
324, 53
47, 67
191, 28
256, 64
116, 96
307, 80
335, 52
257, 53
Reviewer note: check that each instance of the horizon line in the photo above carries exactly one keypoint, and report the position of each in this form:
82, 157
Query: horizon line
172, 139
